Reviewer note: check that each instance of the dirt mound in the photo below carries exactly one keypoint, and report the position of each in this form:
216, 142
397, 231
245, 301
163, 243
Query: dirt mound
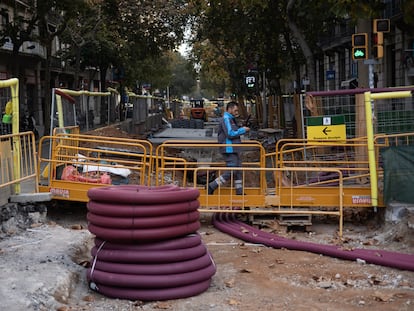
15, 217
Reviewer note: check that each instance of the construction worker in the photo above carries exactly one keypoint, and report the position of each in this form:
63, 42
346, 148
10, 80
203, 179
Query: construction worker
229, 133
6, 120
8, 110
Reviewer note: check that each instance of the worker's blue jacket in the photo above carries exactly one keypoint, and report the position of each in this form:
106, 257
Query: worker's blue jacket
229, 133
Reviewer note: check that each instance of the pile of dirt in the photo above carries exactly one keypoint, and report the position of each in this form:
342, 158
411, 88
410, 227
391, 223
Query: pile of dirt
15, 217
114, 131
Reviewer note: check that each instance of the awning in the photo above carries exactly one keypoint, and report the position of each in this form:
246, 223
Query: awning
349, 84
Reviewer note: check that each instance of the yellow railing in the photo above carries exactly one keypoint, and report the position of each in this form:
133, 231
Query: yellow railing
368, 100
22, 174
13, 84
66, 130
199, 154
259, 199
91, 160
350, 157
387, 140
83, 92
57, 103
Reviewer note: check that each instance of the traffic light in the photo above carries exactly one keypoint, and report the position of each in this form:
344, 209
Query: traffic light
251, 83
377, 45
381, 25
359, 46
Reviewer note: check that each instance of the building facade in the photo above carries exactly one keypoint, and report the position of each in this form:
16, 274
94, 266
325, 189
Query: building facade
337, 70
29, 63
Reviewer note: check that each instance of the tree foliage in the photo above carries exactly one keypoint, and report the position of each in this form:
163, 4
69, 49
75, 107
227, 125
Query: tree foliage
146, 28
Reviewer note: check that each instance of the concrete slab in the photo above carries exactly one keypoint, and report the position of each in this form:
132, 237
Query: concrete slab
184, 133
31, 197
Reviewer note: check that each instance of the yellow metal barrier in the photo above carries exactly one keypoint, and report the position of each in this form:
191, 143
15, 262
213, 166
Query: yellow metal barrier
23, 175
258, 196
344, 156
349, 157
67, 115
368, 98
66, 130
256, 199
13, 84
83, 92
171, 157
387, 140
79, 162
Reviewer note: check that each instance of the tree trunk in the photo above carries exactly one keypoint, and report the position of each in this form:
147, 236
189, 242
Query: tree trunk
296, 67
47, 103
104, 103
307, 52
77, 66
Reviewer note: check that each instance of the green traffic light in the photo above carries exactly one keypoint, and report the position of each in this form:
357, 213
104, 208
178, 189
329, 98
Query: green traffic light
359, 53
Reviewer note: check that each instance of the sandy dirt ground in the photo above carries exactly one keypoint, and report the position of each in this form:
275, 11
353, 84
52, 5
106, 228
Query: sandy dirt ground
43, 268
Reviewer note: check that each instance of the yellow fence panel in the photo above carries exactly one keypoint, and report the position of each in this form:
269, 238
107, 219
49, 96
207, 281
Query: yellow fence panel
71, 164
20, 177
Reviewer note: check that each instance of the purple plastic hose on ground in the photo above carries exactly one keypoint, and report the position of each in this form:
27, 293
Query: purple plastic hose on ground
230, 225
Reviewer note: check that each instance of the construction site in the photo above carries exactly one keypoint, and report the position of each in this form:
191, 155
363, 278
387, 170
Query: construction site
324, 222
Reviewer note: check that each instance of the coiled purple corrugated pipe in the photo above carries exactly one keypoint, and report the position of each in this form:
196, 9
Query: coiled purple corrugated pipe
146, 246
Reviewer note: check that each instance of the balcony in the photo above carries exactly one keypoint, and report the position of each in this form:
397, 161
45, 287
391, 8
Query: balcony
33, 48
27, 48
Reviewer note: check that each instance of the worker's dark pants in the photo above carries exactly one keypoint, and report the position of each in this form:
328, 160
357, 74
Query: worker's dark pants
232, 160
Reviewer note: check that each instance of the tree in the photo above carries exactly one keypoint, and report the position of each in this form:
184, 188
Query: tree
183, 76
148, 29
240, 37
18, 29
92, 42
53, 19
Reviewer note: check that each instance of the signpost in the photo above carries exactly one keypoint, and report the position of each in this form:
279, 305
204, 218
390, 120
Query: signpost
326, 128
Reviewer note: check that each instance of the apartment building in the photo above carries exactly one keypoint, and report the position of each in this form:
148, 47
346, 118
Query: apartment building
337, 70
28, 63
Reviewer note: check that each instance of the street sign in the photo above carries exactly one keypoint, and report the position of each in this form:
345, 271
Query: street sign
326, 128
330, 75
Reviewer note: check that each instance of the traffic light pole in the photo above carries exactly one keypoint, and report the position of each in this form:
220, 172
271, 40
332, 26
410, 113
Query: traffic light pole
370, 116
370, 63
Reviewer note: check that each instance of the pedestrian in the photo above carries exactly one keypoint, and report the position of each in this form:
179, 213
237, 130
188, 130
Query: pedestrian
229, 133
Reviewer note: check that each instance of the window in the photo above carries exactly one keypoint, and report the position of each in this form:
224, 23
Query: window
4, 16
